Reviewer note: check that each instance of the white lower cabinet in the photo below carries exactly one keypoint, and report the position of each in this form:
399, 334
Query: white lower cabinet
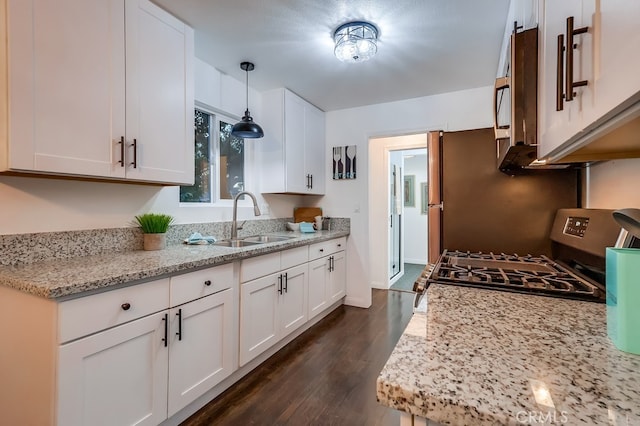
271, 307
318, 300
201, 347
327, 275
337, 277
115, 377
146, 370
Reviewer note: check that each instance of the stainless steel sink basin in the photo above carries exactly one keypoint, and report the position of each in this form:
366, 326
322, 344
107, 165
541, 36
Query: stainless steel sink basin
236, 243
266, 238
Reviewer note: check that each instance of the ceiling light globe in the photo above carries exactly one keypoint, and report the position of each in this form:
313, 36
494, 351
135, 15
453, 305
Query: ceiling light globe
355, 41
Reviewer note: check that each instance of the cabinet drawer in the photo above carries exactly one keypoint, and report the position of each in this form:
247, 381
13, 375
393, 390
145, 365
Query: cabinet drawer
257, 267
86, 315
294, 257
194, 285
325, 248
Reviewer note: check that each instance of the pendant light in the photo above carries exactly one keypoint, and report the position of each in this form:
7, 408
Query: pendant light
246, 128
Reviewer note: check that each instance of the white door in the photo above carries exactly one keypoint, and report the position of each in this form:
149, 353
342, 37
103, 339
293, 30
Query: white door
315, 149
318, 275
67, 83
201, 347
338, 276
294, 136
115, 377
293, 300
160, 95
259, 318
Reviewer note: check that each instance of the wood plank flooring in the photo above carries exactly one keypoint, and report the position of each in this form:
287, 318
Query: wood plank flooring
327, 376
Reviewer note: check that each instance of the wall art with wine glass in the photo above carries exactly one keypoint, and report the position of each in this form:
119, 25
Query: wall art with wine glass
344, 162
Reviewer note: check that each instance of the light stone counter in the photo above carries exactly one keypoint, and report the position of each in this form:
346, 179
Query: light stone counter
71, 277
483, 357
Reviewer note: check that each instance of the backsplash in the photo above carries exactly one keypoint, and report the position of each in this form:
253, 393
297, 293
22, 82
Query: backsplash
37, 247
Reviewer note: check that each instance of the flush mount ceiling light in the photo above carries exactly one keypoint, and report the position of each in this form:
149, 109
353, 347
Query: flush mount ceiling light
246, 128
355, 41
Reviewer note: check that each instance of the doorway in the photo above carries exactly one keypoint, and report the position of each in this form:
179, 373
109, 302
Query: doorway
400, 251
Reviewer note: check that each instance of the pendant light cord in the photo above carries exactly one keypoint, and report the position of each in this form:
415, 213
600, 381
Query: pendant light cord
247, 86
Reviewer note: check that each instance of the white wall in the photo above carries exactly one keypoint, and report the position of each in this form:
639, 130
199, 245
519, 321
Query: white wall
461, 110
415, 223
614, 184
41, 205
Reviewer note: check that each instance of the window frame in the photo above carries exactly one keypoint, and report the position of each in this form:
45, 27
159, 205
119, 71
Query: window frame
214, 161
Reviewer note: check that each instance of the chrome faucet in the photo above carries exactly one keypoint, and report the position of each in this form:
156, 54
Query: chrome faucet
234, 223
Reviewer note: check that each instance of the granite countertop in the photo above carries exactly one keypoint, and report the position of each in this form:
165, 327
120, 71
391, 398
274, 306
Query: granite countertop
483, 357
70, 277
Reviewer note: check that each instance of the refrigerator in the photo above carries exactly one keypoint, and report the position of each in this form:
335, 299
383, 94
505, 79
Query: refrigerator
473, 206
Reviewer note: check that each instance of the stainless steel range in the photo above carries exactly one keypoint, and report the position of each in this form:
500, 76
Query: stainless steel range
575, 271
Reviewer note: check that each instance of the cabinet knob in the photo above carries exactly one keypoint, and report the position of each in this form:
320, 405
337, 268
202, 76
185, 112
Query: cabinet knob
321, 250
207, 282
125, 306
339, 245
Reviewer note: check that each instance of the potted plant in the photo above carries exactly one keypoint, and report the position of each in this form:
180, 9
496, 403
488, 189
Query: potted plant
154, 227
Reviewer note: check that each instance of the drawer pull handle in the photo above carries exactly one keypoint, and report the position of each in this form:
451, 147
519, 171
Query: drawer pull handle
126, 306
207, 283
321, 250
339, 245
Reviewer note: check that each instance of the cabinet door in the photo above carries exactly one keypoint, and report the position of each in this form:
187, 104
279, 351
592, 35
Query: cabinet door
616, 53
201, 347
293, 300
67, 83
318, 295
259, 318
315, 149
160, 98
338, 277
115, 377
294, 136
556, 127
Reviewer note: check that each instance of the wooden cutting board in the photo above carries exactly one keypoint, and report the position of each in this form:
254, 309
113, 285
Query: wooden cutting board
306, 214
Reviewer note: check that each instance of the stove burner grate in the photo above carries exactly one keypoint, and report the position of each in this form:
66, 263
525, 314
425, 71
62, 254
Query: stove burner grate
527, 274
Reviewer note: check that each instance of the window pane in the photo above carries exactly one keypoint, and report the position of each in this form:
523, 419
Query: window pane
231, 162
200, 192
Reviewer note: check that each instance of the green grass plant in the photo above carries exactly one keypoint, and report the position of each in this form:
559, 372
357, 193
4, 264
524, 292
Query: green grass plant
154, 223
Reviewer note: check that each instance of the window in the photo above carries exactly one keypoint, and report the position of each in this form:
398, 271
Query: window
217, 154
231, 156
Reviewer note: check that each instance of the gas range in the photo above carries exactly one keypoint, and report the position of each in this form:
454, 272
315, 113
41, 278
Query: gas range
510, 272
576, 269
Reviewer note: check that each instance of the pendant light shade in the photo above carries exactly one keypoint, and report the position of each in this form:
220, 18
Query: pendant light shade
246, 128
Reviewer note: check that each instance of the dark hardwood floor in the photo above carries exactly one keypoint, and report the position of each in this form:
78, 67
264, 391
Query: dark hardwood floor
327, 376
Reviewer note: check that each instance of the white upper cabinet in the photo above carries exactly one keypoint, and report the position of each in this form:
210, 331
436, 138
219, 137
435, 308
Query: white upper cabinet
100, 88
602, 63
293, 148
160, 95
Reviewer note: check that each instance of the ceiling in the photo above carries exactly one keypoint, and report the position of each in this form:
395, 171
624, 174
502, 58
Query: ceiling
425, 46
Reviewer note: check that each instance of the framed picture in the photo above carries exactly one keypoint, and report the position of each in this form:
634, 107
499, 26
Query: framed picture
344, 162
409, 191
424, 198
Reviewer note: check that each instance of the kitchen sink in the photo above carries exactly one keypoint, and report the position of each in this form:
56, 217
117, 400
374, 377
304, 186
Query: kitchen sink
266, 238
236, 243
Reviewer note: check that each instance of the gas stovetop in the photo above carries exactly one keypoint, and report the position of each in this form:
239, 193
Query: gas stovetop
510, 272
